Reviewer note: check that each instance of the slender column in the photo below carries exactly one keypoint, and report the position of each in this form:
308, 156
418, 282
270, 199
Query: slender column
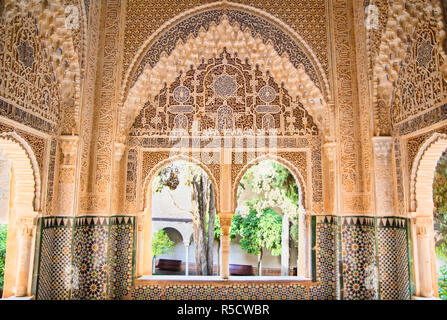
225, 224
330, 149
285, 246
383, 175
26, 227
117, 190
187, 258
424, 256
303, 223
67, 171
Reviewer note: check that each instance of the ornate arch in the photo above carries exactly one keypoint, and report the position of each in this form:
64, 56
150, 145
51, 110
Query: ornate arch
149, 177
59, 47
302, 185
422, 174
27, 174
202, 33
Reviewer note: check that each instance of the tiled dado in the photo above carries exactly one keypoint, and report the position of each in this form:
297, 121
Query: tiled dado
219, 290
86, 257
374, 258
394, 258
357, 246
352, 258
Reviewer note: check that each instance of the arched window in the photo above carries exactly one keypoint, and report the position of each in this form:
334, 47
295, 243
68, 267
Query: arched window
268, 236
184, 221
425, 216
18, 202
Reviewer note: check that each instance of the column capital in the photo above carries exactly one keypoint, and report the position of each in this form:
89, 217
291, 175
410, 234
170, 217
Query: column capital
119, 150
331, 150
69, 148
26, 226
382, 147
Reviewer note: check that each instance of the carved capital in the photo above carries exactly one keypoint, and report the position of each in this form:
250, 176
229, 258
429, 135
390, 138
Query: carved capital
382, 147
331, 151
69, 147
225, 223
26, 226
119, 150
423, 226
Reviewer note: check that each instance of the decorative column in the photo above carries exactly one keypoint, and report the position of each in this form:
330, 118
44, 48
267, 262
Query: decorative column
117, 191
423, 238
26, 231
67, 170
285, 246
383, 175
330, 149
186, 258
225, 224
303, 244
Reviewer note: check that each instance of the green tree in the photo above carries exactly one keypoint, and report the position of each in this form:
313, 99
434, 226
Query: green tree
161, 244
258, 232
274, 187
3, 234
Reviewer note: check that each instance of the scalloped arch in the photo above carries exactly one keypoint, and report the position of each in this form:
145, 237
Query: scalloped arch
143, 83
289, 166
422, 173
27, 174
148, 179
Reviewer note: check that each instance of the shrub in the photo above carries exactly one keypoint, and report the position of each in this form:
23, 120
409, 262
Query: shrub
3, 232
442, 283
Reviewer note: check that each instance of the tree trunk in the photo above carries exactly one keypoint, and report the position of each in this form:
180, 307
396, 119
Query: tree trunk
218, 257
211, 215
199, 219
153, 264
260, 263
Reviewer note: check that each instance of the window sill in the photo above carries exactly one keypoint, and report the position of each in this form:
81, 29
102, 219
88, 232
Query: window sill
218, 279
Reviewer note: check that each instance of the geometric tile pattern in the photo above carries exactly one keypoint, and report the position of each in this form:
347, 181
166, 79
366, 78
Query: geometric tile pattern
120, 256
90, 258
358, 258
393, 259
228, 291
325, 258
55, 258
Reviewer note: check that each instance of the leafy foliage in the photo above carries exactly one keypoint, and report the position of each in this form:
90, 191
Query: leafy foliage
274, 186
3, 234
161, 244
440, 201
442, 283
258, 231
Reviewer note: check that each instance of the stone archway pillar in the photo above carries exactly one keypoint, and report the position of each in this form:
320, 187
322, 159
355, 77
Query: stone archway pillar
383, 175
225, 224
424, 234
67, 172
26, 228
186, 258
